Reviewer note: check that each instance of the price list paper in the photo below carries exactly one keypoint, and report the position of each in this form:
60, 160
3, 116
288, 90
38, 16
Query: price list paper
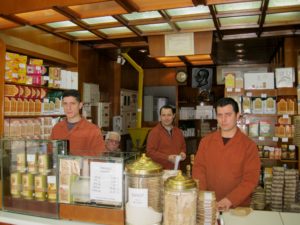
106, 181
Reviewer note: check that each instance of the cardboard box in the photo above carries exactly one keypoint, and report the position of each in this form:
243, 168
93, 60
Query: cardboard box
259, 81
285, 77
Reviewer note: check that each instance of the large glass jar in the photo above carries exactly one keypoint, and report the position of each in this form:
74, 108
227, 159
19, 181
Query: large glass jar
143, 192
180, 200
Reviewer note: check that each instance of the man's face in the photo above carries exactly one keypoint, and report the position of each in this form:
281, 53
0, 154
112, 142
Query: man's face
112, 145
166, 117
71, 107
227, 118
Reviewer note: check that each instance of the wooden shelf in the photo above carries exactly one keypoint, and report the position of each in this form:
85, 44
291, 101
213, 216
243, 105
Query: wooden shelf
39, 86
286, 91
30, 116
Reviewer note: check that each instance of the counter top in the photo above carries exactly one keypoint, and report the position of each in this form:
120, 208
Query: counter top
254, 218
20, 219
257, 217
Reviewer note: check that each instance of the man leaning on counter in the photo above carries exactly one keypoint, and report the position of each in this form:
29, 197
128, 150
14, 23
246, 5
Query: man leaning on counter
227, 161
85, 138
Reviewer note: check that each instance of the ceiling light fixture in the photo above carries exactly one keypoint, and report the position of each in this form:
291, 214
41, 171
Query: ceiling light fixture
240, 55
142, 50
239, 45
240, 50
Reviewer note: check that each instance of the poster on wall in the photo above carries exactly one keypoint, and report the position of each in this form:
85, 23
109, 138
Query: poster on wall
202, 78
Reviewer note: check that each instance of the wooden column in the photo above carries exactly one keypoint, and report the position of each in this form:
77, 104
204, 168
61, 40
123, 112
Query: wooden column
2, 73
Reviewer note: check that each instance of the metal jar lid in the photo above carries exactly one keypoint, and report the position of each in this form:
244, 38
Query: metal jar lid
143, 166
180, 182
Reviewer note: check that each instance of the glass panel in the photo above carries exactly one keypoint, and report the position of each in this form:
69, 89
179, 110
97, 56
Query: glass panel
238, 6
240, 20
280, 3
154, 27
116, 31
29, 169
196, 24
142, 15
99, 20
283, 17
201, 9
61, 24
81, 33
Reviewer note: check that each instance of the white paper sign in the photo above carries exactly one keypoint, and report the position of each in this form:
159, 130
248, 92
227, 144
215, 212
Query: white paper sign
179, 44
106, 181
138, 197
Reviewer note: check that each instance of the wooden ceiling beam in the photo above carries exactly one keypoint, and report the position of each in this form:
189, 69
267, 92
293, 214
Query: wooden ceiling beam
168, 20
74, 17
125, 23
264, 9
127, 6
216, 21
20, 6
217, 2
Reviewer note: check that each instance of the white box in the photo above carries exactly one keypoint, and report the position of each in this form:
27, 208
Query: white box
259, 81
285, 77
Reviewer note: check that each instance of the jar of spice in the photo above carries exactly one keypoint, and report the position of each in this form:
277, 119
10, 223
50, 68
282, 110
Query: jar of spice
143, 192
180, 201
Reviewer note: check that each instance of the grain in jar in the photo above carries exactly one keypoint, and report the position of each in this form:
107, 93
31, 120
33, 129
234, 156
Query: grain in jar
143, 191
180, 200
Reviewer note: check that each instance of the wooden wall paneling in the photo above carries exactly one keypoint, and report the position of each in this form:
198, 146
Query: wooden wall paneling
156, 45
203, 42
87, 66
2, 73
40, 37
162, 76
40, 51
291, 45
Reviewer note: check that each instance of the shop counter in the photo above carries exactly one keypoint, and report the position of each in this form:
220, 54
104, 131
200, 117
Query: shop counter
20, 219
290, 218
254, 218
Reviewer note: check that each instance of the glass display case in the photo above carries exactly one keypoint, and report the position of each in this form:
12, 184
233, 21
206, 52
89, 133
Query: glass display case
92, 189
29, 176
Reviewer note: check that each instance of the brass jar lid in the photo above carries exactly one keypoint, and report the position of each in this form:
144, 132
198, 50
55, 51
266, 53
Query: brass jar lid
143, 166
180, 182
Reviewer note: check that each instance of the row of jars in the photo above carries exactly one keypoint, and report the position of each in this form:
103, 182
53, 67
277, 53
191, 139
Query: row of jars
176, 201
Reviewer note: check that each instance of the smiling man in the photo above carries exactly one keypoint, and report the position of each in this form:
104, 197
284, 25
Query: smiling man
227, 161
166, 141
85, 138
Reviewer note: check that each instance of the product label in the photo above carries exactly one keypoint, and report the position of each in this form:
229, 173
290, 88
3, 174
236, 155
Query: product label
138, 197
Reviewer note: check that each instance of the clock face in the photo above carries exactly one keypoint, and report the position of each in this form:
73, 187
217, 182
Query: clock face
181, 76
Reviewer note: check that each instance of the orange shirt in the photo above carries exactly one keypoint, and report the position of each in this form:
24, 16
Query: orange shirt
160, 144
85, 138
231, 170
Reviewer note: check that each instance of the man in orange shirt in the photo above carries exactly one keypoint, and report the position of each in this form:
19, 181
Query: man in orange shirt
85, 138
227, 161
165, 142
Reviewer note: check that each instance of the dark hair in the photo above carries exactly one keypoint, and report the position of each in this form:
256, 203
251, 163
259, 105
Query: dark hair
228, 101
73, 93
167, 107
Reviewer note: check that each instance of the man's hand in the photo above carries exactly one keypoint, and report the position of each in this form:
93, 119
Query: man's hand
172, 158
224, 204
183, 156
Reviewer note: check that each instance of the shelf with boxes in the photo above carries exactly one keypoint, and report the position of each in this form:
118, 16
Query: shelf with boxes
267, 113
32, 95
